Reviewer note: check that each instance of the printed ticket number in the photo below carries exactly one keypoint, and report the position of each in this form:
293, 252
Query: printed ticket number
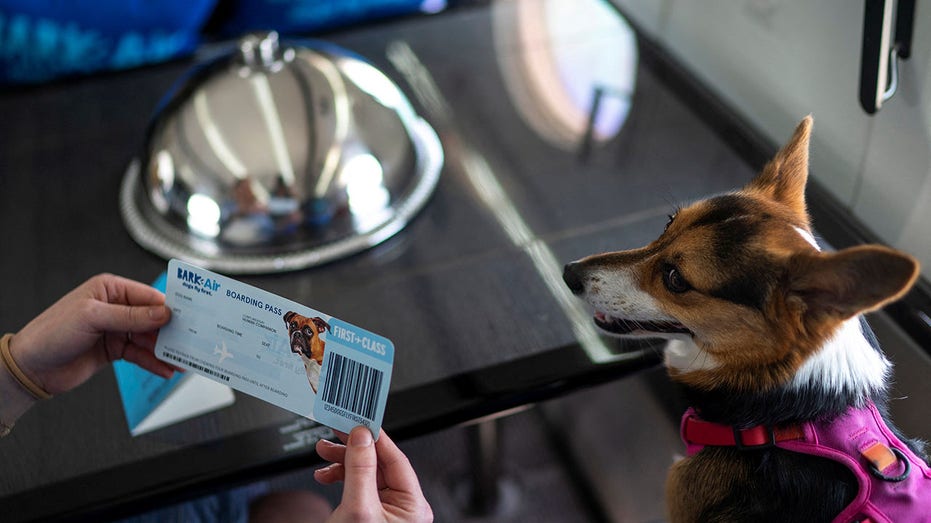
277, 350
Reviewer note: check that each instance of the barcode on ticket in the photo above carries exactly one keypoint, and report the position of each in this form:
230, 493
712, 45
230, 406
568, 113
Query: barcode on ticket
195, 366
352, 386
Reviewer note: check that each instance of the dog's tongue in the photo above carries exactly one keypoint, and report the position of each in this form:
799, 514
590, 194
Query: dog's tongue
600, 316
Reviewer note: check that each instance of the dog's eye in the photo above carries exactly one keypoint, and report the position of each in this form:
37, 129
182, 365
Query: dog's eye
674, 281
669, 222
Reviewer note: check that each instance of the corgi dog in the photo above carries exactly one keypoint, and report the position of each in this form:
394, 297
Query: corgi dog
787, 384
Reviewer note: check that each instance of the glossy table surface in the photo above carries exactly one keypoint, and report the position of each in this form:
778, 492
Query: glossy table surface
469, 292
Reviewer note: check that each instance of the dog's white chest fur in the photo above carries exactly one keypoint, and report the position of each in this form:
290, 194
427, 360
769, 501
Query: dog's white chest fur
845, 363
313, 371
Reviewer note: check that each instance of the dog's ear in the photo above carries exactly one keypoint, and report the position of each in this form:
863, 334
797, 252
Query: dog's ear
288, 316
783, 179
840, 285
321, 324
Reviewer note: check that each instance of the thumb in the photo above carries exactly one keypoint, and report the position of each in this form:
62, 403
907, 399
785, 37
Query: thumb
114, 317
360, 488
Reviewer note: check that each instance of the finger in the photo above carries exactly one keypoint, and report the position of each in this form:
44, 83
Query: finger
128, 292
334, 473
110, 317
333, 452
396, 469
146, 359
361, 467
146, 341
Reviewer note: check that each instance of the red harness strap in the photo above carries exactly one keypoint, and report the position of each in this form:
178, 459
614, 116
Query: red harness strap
697, 432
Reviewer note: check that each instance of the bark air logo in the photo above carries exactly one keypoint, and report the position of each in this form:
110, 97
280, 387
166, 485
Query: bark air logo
192, 280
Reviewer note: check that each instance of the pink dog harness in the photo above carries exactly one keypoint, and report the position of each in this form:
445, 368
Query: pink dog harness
895, 484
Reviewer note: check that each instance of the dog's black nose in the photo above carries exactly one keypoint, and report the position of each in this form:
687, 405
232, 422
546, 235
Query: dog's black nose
570, 275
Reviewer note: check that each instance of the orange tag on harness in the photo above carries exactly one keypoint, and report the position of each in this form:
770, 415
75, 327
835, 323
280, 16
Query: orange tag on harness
879, 455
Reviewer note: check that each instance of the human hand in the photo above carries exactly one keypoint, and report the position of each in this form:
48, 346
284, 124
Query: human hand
104, 319
380, 484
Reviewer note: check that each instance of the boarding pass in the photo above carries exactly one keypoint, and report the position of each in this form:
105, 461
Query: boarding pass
277, 350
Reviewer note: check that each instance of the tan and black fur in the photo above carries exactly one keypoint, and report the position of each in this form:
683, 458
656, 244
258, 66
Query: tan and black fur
754, 311
304, 339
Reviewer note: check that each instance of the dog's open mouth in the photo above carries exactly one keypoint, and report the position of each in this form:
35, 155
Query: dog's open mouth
299, 346
624, 326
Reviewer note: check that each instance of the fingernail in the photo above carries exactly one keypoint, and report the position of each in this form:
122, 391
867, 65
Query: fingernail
159, 313
360, 437
326, 443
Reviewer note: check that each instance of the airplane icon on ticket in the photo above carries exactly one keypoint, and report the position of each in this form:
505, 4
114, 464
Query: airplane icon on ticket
223, 352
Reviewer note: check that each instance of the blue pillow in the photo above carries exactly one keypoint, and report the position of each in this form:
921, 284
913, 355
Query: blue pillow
45, 39
307, 16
